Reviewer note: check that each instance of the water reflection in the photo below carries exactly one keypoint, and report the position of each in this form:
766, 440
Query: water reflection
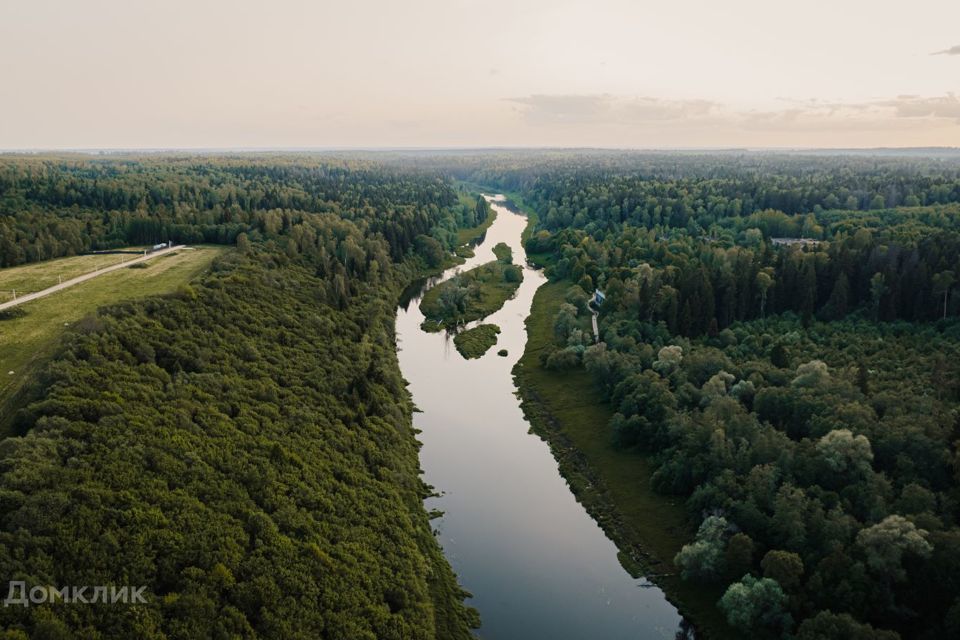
537, 564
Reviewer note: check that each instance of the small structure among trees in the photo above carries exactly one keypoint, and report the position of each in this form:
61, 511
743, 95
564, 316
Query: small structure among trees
787, 242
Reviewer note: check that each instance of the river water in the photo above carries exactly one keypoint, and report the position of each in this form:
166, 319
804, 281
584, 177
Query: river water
537, 564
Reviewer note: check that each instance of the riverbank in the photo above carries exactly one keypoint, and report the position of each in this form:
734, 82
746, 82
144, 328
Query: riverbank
470, 234
566, 410
467, 238
515, 201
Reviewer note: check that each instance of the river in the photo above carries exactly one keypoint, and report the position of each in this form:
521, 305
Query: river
537, 564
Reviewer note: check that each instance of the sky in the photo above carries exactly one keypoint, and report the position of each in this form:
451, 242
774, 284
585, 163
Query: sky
109, 74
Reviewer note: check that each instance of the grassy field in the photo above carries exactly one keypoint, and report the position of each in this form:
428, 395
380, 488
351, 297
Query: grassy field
473, 343
28, 340
35, 277
567, 410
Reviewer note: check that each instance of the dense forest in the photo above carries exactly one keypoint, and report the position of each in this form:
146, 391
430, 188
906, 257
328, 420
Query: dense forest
242, 448
780, 337
58, 206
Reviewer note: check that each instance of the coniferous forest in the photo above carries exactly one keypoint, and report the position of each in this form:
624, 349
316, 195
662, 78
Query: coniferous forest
779, 335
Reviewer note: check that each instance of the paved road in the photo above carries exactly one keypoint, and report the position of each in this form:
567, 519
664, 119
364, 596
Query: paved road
87, 276
596, 329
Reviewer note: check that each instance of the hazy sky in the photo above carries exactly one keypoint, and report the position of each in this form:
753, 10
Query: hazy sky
614, 73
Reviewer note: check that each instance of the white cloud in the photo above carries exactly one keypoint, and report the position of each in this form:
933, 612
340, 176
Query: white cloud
952, 51
640, 111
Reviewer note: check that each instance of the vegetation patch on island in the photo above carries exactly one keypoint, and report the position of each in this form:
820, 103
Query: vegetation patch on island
472, 295
503, 252
475, 342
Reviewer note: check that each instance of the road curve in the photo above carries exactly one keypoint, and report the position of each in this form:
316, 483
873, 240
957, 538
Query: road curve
87, 276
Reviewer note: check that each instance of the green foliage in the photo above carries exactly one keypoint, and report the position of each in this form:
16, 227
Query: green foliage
738, 556
704, 557
471, 218
717, 386
783, 566
886, 543
475, 342
805, 390
849, 457
431, 250
468, 296
757, 607
645, 406
243, 448
779, 357
33, 332
579, 298
12, 313
503, 252
567, 408
512, 274
668, 359
827, 625
565, 322
812, 374
120, 201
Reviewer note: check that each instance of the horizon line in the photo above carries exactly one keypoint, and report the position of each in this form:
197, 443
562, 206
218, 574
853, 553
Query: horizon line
428, 148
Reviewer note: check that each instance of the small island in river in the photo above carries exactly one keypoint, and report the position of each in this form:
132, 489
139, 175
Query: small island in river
472, 295
475, 342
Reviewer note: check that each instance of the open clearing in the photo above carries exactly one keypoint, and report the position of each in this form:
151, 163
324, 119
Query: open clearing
30, 278
27, 341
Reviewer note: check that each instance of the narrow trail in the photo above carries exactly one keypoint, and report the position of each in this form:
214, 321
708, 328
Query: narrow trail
87, 276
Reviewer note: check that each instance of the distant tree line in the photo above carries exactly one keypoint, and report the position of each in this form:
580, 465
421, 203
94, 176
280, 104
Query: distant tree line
705, 283
52, 207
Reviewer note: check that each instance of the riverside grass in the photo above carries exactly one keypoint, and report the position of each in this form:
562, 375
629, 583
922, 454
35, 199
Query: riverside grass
566, 410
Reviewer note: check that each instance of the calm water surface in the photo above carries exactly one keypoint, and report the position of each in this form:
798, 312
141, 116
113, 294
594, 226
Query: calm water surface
537, 564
